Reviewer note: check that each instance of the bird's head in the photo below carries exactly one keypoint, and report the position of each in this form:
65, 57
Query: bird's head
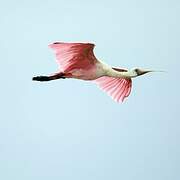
139, 71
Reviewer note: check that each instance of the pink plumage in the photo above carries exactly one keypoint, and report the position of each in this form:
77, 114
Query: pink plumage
74, 55
117, 88
77, 60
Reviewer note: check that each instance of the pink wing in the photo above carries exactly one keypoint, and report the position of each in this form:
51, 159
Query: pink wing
74, 55
117, 88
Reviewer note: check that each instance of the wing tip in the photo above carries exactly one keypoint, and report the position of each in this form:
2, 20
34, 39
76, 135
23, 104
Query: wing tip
125, 88
52, 45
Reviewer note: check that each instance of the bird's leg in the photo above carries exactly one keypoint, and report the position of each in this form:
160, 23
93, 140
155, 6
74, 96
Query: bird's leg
49, 78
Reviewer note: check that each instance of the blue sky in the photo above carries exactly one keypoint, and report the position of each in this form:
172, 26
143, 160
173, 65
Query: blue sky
69, 129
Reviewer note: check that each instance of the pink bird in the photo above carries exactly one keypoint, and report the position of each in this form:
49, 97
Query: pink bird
77, 60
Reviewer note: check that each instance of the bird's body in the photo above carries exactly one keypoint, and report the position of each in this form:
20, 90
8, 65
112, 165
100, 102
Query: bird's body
96, 71
77, 60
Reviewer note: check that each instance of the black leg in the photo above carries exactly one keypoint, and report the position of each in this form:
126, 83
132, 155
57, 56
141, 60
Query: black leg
41, 78
49, 78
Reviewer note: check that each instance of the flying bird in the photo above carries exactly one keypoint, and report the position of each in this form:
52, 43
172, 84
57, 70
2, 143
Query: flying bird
77, 60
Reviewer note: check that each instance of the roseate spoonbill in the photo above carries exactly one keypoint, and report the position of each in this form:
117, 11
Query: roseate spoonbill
77, 60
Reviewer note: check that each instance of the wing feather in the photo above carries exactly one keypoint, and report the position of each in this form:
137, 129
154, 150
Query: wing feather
74, 55
117, 88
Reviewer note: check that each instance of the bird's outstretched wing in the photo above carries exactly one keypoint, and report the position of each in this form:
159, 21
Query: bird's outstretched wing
117, 88
74, 55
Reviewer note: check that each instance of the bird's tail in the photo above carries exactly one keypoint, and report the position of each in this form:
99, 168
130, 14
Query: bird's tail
49, 78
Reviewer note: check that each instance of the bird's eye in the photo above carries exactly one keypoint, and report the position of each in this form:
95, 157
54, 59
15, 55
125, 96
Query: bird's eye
136, 70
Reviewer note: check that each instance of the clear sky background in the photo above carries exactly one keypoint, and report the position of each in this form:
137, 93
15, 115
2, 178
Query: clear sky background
69, 129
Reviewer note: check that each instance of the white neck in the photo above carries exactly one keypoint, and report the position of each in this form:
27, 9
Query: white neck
128, 74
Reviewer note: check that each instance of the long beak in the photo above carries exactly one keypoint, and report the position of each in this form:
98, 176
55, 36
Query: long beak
148, 71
